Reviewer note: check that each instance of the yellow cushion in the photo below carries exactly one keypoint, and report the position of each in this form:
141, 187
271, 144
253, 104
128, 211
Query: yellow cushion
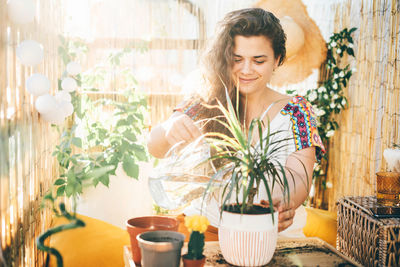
97, 244
322, 224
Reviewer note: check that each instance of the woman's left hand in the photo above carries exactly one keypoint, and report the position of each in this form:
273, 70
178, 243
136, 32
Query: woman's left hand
286, 213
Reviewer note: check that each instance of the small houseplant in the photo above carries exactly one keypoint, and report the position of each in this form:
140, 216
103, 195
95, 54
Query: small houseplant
243, 224
197, 225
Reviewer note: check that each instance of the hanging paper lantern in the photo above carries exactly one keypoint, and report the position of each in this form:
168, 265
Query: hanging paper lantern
63, 96
73, 68
21, 11
69, 84
66, 107
55, 117
37, 84
30, 52
46, 104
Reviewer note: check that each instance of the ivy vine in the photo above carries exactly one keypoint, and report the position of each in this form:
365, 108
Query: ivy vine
329, 98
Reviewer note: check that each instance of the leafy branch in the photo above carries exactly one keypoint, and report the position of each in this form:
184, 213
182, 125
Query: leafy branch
329, 99
91, 148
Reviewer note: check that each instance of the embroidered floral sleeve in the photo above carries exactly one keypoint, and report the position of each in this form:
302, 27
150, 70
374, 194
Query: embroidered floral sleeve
190, 107
304, 125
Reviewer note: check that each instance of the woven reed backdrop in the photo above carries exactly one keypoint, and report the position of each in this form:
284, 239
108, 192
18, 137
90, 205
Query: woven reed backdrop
372, 121
26, 166
174, 32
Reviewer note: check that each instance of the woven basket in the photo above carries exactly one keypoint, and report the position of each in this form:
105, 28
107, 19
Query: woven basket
364, 238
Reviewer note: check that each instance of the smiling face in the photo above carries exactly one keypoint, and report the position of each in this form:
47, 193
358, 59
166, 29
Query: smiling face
254, 62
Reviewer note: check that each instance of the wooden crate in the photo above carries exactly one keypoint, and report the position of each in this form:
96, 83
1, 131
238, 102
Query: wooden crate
364, 238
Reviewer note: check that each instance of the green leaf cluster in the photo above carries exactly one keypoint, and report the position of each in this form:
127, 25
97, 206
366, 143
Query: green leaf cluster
329, 98
91, 147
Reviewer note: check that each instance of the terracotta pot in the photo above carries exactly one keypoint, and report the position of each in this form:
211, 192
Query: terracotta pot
248, 239
161, 248
139, 225
193, 263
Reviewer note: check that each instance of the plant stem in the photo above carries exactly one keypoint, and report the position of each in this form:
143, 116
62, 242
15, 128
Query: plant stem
75, 223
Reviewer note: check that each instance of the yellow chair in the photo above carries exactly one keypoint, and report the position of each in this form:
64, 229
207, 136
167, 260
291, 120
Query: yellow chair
98, 244
322, 224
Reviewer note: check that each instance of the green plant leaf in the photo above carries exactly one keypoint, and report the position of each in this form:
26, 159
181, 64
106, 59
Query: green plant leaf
130, 167
49, 196
69, 189
130, 136
60, 191
105, 179
59, 182
77, 141
122, 122
97, 172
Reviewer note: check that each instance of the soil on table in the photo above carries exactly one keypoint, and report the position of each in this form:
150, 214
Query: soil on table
291, 254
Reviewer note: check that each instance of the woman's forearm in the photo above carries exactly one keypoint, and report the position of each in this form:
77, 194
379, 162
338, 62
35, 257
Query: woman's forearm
299, 168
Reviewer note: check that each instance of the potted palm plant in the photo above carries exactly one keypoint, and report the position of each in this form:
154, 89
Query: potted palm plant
247, 231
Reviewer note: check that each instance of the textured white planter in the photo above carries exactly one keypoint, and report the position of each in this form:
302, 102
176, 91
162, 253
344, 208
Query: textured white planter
248, 240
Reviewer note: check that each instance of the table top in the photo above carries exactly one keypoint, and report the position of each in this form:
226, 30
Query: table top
369, 205
289, 252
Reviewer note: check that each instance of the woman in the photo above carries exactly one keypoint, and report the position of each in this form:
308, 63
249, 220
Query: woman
248, 46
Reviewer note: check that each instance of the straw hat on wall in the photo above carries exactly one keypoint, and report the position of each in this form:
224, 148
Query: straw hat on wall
305, 46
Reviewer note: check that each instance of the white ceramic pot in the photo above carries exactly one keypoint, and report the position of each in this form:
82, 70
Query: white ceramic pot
248, 240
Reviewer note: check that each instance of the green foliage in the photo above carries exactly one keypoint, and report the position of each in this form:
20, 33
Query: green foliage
159, 211
195, 246
329, 98
102, 134
103, 143
250, 165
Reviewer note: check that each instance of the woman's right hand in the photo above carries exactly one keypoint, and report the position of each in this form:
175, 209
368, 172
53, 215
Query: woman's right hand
180, 128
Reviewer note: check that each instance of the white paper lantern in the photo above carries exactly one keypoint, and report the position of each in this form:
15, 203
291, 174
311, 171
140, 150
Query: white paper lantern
73, 68
55, 117
66, 107
62, 96
30, 52
21, 11
46, 104
69, 84
38, 84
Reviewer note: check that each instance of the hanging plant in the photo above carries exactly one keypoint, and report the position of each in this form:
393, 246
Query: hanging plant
329, 99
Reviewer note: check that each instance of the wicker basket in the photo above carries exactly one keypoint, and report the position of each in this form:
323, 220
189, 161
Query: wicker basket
366, 239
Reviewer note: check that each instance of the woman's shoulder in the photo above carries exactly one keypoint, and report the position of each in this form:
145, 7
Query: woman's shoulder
298, 104
304, 124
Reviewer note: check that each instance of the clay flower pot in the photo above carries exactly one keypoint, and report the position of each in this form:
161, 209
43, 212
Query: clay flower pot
139, 225
161, 248
193, 263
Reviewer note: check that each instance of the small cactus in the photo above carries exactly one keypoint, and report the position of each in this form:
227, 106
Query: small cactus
196, 225
195, 246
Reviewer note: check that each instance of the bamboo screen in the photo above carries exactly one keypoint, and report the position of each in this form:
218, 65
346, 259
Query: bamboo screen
372, 121
26, 166
174, 33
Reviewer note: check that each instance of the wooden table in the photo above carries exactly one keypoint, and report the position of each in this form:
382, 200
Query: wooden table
289, 252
